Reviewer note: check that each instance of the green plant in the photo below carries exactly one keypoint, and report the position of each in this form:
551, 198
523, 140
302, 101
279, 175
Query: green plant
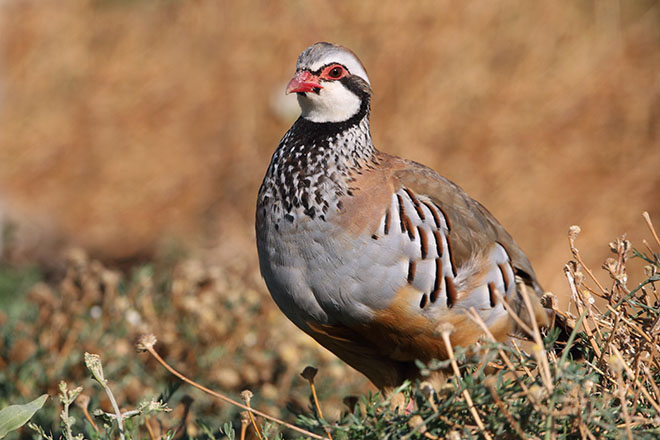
602, 383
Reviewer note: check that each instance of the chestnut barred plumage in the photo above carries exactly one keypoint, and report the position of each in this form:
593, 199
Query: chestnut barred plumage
367, 252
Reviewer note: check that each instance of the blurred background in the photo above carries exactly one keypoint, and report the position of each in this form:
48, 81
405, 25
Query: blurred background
127, 126
137, 131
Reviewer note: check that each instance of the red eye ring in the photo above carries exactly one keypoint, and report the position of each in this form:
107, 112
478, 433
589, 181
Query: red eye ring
334, 72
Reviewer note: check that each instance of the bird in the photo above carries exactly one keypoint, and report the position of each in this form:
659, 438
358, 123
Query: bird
369, 253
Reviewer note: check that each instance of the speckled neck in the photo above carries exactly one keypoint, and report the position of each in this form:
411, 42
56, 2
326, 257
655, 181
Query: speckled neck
311, 169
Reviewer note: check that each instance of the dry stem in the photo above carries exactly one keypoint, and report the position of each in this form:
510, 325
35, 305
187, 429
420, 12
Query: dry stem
505, 411
476, 318
147, 343
572, 235
246, 395
450, 352
650, 225
308, 374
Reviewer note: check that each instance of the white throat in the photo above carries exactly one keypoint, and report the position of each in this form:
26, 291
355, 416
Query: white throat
334, 103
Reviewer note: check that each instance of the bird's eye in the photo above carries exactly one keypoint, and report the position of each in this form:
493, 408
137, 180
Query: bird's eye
335, 72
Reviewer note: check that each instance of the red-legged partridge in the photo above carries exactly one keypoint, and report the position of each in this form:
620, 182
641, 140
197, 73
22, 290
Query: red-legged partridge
369, 253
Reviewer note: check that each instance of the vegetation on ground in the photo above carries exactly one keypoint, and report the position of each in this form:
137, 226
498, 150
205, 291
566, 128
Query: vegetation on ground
139, 131
603, 382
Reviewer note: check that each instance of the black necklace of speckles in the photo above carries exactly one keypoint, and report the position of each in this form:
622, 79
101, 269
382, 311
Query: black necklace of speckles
299, 174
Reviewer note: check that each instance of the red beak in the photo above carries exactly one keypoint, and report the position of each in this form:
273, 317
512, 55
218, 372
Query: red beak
303, 82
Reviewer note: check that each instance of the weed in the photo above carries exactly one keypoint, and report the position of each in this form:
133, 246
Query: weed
601, 383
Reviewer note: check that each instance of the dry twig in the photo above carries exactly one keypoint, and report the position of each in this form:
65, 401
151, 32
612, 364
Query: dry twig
246, 395
147, 342
309, 373
445, 330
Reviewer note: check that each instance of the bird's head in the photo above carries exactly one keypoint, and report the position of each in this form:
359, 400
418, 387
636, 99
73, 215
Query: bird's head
331, 83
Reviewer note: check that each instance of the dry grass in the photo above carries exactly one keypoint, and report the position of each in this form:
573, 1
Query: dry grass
125, 125
131, 128
213, 324
602, 383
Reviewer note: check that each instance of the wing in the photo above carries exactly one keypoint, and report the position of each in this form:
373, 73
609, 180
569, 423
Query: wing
482, 256
423, 252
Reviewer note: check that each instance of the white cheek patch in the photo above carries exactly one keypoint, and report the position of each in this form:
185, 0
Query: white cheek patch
334, 103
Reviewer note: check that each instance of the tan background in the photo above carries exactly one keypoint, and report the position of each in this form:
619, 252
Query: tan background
133, 127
